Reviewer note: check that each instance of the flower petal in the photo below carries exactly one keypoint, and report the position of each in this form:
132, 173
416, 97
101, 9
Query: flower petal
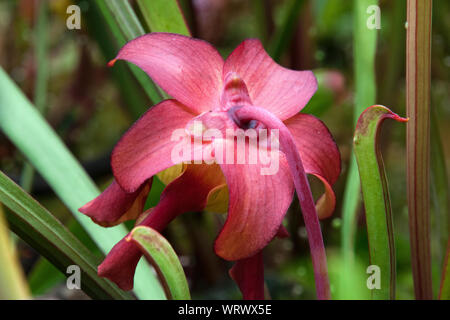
189, 192
190, 70
282, 232
249, 275
257, 205
120, 264
282, 91
146, 148
320, 156
114, 206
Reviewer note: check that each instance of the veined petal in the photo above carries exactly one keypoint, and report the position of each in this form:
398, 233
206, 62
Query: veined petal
320, 156
188, 69
146, 148
249, 275
114, 206
282, 91
257, 205
189, 192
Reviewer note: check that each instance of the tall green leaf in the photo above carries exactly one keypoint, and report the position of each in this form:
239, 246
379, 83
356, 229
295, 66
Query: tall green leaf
418, 73
364, 49
164, 16
34, 224
44, 275
377, 202
26, 128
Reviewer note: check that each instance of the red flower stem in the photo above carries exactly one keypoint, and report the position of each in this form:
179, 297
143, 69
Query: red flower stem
288, 147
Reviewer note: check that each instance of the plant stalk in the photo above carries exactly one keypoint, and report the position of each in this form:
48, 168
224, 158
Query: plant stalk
418, 62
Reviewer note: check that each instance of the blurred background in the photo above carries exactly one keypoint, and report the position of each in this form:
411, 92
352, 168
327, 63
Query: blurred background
91, 106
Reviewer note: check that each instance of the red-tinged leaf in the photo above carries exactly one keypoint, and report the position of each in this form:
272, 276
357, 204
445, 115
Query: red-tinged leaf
377, 202
418, 72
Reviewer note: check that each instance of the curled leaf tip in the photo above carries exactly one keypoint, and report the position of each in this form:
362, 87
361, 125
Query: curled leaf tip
372, 113
161, 255
376, 196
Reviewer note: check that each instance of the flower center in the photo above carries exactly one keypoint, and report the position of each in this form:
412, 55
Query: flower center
250, 124
208, 124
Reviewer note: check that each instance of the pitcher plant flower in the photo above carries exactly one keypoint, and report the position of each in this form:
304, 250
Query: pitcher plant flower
187, 137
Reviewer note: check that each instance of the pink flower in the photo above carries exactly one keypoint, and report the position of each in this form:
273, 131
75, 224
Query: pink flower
247, 90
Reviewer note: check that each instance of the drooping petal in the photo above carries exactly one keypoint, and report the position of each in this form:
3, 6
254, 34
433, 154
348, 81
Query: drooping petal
257, 205
249, 275
114, 206
282, 91
320, 156
326, 204
188, 193
288, 147
190, 70
147, 147
120, 264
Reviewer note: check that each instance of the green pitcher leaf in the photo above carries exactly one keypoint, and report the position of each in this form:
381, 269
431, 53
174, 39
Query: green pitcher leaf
161, 255
375, 191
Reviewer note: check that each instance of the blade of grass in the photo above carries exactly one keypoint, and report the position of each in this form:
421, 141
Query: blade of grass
40, 88
44, 275
418, 61
59, 168
284, 32
164, 16
13, 285
40, 229
364, 49
160, 253
377, 202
